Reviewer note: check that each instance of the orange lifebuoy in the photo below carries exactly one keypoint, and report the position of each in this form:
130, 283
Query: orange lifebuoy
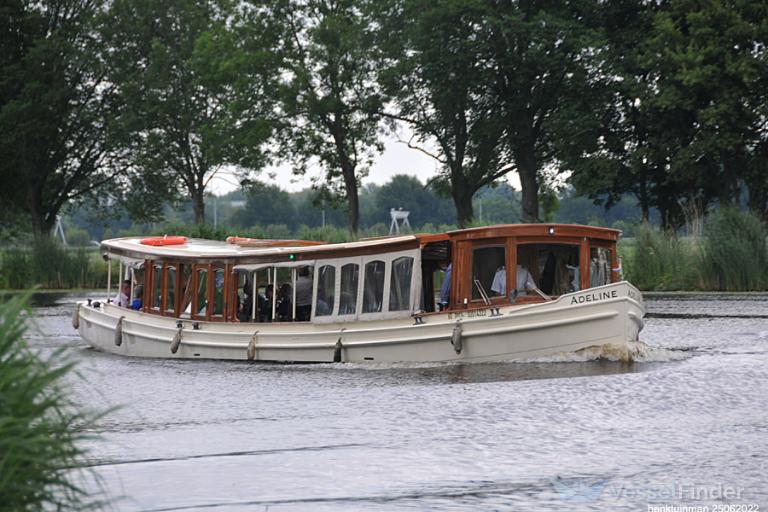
158, 241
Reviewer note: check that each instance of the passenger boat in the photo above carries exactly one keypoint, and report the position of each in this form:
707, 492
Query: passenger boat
505, 292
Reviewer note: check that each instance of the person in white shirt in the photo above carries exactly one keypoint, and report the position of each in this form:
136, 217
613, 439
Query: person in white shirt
303, 295
123, 298
525, 281
499, 284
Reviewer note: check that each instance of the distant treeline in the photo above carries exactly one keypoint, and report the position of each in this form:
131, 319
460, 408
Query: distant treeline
126, 105
275, 213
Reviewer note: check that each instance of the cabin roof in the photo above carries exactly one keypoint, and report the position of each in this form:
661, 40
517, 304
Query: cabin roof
276, 250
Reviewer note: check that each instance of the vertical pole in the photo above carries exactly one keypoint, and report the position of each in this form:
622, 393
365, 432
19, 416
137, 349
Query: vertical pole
293, 298
254, 295
274, 294
109, 281
132, 278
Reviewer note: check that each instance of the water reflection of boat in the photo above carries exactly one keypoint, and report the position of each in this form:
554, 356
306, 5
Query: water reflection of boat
371, 300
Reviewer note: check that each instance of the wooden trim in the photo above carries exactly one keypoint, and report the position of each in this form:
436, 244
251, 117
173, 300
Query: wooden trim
210, 286
195, 284
177, 296
164, 290
584, 264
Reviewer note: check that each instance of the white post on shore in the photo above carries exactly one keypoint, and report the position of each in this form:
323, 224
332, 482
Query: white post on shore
293, 294
254, 295
274, 295
109, 281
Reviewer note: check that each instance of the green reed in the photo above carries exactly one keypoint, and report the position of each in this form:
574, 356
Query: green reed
734, 255
42, 430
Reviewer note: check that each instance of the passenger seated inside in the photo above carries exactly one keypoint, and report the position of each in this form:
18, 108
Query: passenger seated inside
246, 307
303, 295
445, 289
499, 284
553, 268
265, 306
123, 298
284, 307
138, 294
525, 281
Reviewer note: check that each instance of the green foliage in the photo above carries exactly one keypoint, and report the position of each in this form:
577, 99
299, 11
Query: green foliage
42, 431
180, 70
55, 146
659, 260
735, 256
330, 97
48, 264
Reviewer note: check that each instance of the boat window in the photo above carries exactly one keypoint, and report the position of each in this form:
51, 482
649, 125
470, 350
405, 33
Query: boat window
553, 268
599, 266
186, 289
202, 286
348, 299
170, 301
489, 275
400, 284
157, 291
218, 291
373, 287
326, 282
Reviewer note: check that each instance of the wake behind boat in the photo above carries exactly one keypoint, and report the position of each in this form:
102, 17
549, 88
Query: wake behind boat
494, 293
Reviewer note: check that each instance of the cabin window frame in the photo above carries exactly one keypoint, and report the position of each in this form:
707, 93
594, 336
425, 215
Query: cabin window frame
361, 261
583, 246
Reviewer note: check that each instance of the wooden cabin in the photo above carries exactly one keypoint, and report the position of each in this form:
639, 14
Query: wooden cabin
388, 277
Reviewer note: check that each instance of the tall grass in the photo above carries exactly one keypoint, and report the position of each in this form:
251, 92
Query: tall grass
48, 264
41, 428
734, 256
659, 260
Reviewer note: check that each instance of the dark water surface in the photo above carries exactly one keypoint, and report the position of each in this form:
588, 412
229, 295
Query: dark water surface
687, 424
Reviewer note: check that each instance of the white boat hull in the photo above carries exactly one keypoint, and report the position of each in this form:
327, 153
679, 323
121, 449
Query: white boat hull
609, 315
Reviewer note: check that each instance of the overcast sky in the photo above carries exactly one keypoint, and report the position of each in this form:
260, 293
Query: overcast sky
397, 158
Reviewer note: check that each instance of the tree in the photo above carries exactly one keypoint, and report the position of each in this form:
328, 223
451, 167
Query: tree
408, 193
545, 58
435, 68
330, 99
187, 107
685, 125
55, 144
265, 204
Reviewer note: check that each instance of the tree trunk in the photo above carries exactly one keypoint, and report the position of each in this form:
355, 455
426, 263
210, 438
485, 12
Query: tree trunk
198, 205
462, 199
644, 202
353, 204
527, 169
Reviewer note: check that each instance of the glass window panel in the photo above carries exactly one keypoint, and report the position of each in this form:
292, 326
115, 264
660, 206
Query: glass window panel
599, 266
488, 268
157, 292
326, 281
373, 287
349, 278
202, 286
553, 268
400, 284
218, 291
170, 303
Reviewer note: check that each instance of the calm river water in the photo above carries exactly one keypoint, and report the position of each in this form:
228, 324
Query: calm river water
686, 424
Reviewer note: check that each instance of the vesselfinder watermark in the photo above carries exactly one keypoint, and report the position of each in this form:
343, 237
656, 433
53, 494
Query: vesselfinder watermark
718, 497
